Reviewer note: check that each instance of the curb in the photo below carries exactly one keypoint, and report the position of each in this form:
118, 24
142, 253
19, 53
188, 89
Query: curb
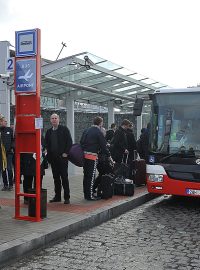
14, 249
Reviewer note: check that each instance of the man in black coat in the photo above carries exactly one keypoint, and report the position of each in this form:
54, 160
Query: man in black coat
58, 142
131, 148
110, 132
1, 165
8, 144
1, 162
143, 143
131, 141
92, 142
119, 144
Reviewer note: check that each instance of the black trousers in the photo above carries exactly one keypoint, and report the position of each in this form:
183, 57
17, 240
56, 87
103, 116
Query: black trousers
59, 167
7, 174
89, 170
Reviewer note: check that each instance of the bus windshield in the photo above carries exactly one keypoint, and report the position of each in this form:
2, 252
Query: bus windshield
175, 123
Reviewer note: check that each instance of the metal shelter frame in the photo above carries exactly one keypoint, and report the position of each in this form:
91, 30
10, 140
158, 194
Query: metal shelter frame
94, 80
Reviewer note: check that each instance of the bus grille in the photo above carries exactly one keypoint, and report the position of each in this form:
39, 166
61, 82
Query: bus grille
185, 176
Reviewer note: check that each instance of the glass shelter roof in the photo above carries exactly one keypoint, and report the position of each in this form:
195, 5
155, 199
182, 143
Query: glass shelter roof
94, 80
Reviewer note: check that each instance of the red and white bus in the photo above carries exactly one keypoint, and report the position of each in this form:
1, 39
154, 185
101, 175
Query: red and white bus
173, 165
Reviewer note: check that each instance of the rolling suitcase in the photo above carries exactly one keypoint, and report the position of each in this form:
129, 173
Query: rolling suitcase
123, 186
105, 187
140, 172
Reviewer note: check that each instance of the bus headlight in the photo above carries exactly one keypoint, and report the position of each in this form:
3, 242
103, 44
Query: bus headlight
155, 177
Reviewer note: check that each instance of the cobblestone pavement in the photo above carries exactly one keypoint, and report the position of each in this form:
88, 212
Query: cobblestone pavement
162, 234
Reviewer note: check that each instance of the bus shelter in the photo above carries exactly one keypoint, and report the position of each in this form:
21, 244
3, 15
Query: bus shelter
89, 79
83, 78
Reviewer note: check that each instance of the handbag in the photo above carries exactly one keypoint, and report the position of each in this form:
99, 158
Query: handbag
76, 155
45, 162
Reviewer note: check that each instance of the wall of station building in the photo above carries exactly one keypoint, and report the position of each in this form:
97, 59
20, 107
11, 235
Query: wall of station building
82, 120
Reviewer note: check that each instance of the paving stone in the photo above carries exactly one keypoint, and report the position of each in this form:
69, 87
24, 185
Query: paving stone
132, 241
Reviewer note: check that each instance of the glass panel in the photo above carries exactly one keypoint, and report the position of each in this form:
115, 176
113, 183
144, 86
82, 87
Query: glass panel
48, 102
137, 76
99, 80
149, 81
127, 103
93, 71
95, 59
176, 123
145, 90
122, 84
127, 88
86, 77
109, 65
61, 70
131, 93
80, 106
159, 85
61, 90
82, 75
124, 71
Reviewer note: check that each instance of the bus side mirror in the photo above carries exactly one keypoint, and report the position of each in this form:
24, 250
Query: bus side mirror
137, 108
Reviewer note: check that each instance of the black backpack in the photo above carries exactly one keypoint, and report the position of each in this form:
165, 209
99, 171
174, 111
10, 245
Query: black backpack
106, 186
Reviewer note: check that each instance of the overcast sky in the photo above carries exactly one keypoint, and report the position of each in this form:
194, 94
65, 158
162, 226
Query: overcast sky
157, 38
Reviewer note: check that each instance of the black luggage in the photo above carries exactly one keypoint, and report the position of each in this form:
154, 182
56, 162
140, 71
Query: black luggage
123, 186
140, 172
105, 188
122, 169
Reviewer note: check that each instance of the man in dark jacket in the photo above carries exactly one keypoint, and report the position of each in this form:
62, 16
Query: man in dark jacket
0, 157
58, 142
8, 144
119, 143
1, 165
92, 142
1, 162
110, 132
143, 143
131, 140
131, 148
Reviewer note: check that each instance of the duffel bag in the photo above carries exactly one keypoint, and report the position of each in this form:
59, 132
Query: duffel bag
124, 186
76, 155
